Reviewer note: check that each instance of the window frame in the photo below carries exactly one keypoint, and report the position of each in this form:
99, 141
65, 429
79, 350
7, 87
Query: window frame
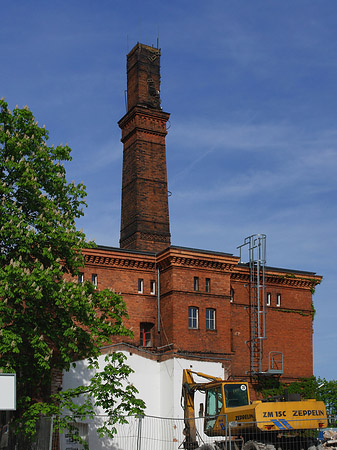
232, 292
140, 285
153, 287
196, 284
211, 320
80, 277
94, 279
278, 300
193, 319
268, 299
146, 334
207, 285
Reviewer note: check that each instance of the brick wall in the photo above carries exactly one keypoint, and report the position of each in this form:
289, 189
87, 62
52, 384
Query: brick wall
144, 216
289, 326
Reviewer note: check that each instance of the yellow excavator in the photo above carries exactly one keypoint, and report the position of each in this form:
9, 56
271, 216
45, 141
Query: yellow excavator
271, 424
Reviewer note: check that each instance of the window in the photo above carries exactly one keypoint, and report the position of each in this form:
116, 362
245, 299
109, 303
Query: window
196, 283
210, 319
193, 317
214, 404
278, 300
140, 285
152, 287
208, 285
146, 334
236, 395
232, 295
268, 301
81, 277
94, 279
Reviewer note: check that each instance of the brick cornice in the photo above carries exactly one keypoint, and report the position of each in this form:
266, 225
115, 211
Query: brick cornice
142, 119
279, 278
191, 258
196, 262
119, 259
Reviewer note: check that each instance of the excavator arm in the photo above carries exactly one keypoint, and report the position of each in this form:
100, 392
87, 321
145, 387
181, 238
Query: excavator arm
189, 387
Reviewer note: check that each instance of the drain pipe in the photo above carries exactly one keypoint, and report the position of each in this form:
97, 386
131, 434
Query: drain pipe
158, 300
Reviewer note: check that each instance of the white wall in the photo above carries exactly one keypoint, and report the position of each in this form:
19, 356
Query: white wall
159, 385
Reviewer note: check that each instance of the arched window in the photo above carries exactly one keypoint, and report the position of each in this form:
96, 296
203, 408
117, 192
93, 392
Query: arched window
193, 317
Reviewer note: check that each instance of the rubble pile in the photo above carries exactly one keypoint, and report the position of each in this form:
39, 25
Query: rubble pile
330, 439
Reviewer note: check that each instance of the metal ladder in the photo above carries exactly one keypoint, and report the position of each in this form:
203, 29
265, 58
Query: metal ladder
257, 259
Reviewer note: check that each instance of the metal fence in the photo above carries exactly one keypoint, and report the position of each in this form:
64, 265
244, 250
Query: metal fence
156, 433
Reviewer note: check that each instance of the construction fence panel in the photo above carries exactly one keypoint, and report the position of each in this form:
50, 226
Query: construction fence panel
157, 433
140, 433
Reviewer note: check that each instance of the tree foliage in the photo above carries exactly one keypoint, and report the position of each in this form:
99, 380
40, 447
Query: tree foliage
108, 389
47, 318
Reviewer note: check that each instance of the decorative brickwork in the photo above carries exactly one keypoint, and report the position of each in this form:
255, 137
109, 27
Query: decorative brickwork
124, 262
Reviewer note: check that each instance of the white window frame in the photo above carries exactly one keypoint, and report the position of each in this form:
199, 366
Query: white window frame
210, 319
268, 299
152, 287
278, 300
193, 317
196, 283
80, 277
94, 279
140, 285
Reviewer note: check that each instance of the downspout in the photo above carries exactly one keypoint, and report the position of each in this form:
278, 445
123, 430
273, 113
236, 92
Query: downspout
158, 300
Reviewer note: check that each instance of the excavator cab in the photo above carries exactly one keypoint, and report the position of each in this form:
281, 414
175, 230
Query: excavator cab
219, 398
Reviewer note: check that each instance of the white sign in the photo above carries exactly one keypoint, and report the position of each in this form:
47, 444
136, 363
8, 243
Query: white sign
7, 391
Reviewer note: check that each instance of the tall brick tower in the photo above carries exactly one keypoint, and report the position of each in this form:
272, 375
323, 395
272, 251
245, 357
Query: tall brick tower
145, 217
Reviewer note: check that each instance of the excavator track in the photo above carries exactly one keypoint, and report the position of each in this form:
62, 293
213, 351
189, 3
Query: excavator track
249, 445
255, 445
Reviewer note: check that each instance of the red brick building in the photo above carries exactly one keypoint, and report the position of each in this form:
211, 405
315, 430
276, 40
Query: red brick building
185, 302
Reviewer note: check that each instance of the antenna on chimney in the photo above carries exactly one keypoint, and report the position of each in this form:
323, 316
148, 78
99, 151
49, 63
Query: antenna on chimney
140, 30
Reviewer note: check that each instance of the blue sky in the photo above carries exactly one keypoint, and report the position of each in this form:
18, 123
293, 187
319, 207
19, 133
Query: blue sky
251, 88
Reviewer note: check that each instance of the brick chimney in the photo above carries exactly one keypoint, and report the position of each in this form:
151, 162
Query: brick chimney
145, 217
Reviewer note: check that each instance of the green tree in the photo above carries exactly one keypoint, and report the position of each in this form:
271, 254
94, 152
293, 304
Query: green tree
47, 318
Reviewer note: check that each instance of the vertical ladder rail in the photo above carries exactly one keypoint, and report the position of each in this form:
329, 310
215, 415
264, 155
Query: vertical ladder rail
257, 260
